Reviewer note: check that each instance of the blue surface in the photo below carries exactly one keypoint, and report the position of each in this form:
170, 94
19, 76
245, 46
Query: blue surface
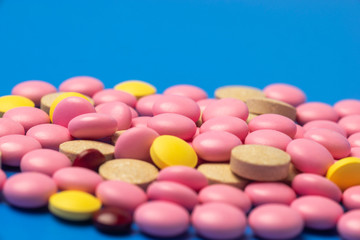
314, 45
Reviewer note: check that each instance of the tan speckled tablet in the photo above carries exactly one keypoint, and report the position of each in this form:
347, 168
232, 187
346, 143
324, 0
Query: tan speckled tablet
47, 100
116, 135
267, 105
75, 147
239, 92
132, 171
292, 173
259, 162
221, 173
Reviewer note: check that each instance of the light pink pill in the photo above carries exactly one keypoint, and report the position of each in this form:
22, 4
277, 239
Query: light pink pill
351, 198
49, 135
311, 111
324, 124
215, 146
14, 147
29, 189
225, 194
347, 107
27, 116
355, 152
230, 124
187, 176
354, 140
46, 161
77, 178
2, 179
203, 103
144, 105
286, 93
8, 127
171, 219
318, 212
118, 110
69, 108
173, 124
226, 107
112, 95
299, 132
120, 194
172, 192
82, 84
140, 121
135, 143
309, 156
34, 90
134, 113
276, 221
348, 225
313, 184
350, 123
274, 122
269, 192
177, 104
190, 91
268, 137
92, 126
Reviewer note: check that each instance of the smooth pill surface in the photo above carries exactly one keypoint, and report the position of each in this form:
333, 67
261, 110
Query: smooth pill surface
345, 172
47, 100
286, 93
299, 132
2, 179
134, 113
226, 107
119, 111
22, 189
350, 123
242, 93
186, 90
136, 87
112, 220
171, 219
46, 161
89, 158
140, 121
112, 95
347, 107
266, 105
144, 105
355, 152
311, 111
82, 84
13, 101
268, 137
8, 127
354, 140
324, 124
351, 198
348, 225
203, 103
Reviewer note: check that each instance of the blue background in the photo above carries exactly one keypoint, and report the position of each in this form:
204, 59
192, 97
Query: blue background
314, 45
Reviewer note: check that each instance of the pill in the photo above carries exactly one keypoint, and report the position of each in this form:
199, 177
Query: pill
73, 205
2, 179
144, 105
82, 84
140, 121
351, 198
354, 140
355, 152
203, 103
137, 88
119, 111
311, 111
285, 93
268, 137
8, 127
29, 189
112, 95
242, 93
260, 163
134, 113
89, 158
48, 99
348, 225
46, 161
218, 220
226, 107
13, 101
350, 123
73, 148
186, 90
275, 221
132, 171
112, 220
347, 107
345, 172
324, 124
299, 132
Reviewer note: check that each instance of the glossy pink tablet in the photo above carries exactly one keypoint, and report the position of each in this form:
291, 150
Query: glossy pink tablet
226, 107
311, 111
203, 103
324, 124
286, 93
27, 116
299, 132
350, 123
144, 105
8, 127
140, 121
268, 137
112, 95
273, 122
348, 225
119, 111
355, 152
2, 179
347, 107
186, 90
351, 198
354, 140
134, 113
82, 84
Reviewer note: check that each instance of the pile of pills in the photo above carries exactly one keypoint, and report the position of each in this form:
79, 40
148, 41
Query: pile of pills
249, 158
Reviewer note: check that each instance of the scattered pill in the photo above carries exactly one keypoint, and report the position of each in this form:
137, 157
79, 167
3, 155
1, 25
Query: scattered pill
268, 137
136, 87
351, 198
345, 172
354, 139
112, 220
226, 107
355, 152
14, 101
89, 158
8, 127
140, 121
47, 100
350, 123
242, 93
144, 105
311, 111
324, 124
119, 111
112, 95
186, 90
286, 93
203, 103
347, 107
348, 225
82, 84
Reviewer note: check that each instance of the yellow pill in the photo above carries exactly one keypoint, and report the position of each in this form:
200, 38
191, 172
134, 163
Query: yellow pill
345, 172
137, 88
168, 151
73, 205
13, 101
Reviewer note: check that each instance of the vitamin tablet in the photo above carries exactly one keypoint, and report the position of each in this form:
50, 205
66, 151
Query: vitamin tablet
347, 107
8, 127
345, 172
299, 132
47, 100
324, 124
89, 158
355, 152
350, 123
140, 121
242, 93
73, 205
112, 95
351, 198
260, 163
144, 105
2, 179
136, 87
311, 111
112, 220
134, 113
226, 107
354, 140
82, 84
119, 111
14, 101
186, 90
218, 220
268, 137
203, 103
348, 225
285, 93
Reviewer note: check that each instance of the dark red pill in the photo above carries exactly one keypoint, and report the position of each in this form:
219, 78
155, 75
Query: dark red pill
112, 220
89, 158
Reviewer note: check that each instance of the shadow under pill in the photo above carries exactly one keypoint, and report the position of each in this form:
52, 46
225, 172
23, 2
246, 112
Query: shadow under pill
40, 210
10, 170
73, 223
321, 233
184, 236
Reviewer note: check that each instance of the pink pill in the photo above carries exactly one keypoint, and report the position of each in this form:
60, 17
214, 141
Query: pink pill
173, 124
347, 107
269, 192
276, 221
77, 178
34, 90
274, 122
140, 121
2, 179
299, 132
27, 116
354, 140
187, 176
225, 194
318, 212
69, 108
203, 103
313, 184
49, 135
29, 189
111, 193
82, 84
355, 152
324, 124
46, 161
348, 225
286, 93
215, 146
269, 137
171, 219
226, 107
350, 123
172, 192
112, 95
118, 110
309, 156
134, 113
135, 143
311, 111
185, 90
230, 124
351, 198
177, 104
218, 220
8, 127
144, 105
14, 147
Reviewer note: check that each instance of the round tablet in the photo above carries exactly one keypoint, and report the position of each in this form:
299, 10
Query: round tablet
203, 103
112, 220
242, 93
268, 137
286, 93
144, 105
348, 225
226, 107
345, 172
218, 220
140, 121
8, 127
136, 87
119, 111
14, 101
347, 107
82, 84
350, 123
311, 111
354, 140
324, 124
186, 90
351, 198
29, 189
355, 152
112, 95
2, 179
260, 163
